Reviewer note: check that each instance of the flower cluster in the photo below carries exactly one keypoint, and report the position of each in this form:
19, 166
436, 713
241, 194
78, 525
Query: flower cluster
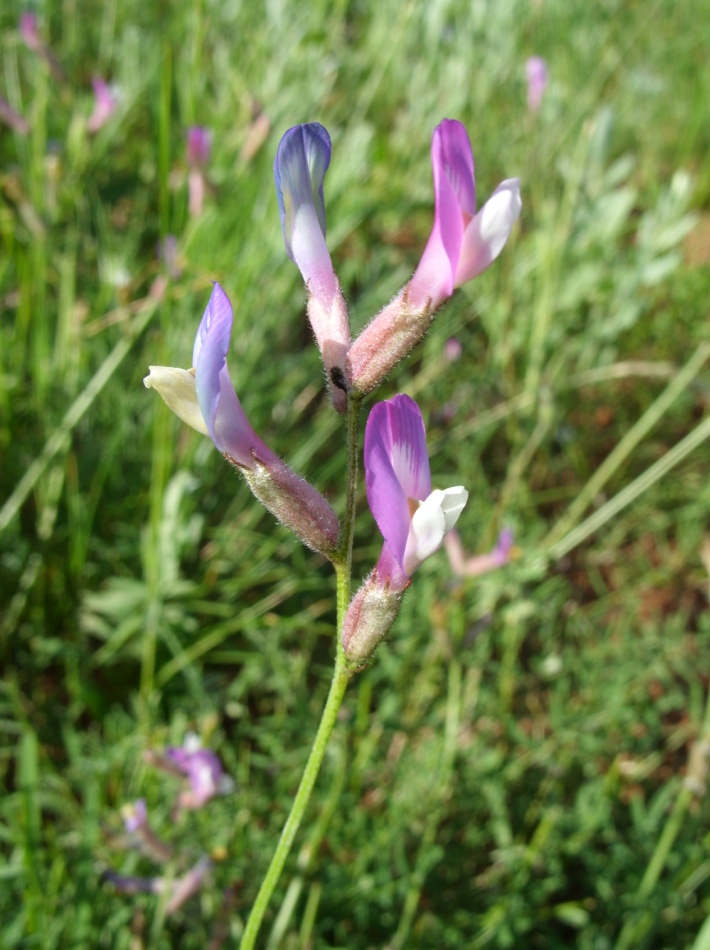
203, 775
413, 519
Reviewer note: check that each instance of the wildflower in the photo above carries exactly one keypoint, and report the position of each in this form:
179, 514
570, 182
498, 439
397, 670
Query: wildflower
536, 72
141, 835
9, 116
301, 162
168, 254
29, 31
413, 519
453, 349
461, 245
199, 147
203, 769
481, 563
105, 102
205, 399
178, 890
135, 816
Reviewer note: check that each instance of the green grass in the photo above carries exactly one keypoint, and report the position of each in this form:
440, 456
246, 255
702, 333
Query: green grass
510, 770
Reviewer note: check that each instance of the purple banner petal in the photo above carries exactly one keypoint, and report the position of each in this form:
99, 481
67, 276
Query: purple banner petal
396, 468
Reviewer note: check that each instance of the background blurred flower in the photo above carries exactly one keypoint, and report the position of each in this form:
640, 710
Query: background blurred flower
536, 72
481, 563
12, 118
203, 770
105, 102
198, 146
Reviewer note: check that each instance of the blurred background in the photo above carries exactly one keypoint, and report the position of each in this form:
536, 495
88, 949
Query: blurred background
524, 762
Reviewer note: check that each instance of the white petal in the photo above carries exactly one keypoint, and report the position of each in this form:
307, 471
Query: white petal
191, 742
486, 234
453, 504
426, 532
177, 387
431, 522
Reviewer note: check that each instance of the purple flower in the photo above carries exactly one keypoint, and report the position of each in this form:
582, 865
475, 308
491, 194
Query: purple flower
203, 770
205, 399
536, 72
301, 162
178, 890
453, 349
30, 33
135, 816
199, 146
412, 518
462, 243
105, 102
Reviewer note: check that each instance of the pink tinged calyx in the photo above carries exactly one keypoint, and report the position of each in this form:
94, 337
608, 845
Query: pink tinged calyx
301, 162
204, 398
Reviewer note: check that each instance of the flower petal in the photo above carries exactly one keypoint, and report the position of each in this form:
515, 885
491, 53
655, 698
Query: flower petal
396, 467
385, 495
487, 233
226, 422
177, 388
408, 451
426, 532
455, 204
301, 162
452, 504
431, 522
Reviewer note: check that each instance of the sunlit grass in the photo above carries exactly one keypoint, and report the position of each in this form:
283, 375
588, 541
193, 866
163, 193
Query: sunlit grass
510, 769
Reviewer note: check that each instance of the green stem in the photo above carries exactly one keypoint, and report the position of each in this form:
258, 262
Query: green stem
352, 426
339, 683
300, 802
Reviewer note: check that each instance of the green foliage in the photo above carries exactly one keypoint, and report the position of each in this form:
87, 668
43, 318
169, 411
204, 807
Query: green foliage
511, 769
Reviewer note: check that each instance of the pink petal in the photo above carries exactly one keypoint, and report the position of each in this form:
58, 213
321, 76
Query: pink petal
455, 204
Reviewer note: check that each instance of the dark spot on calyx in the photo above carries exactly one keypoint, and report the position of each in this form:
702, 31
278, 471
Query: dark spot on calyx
337, 377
